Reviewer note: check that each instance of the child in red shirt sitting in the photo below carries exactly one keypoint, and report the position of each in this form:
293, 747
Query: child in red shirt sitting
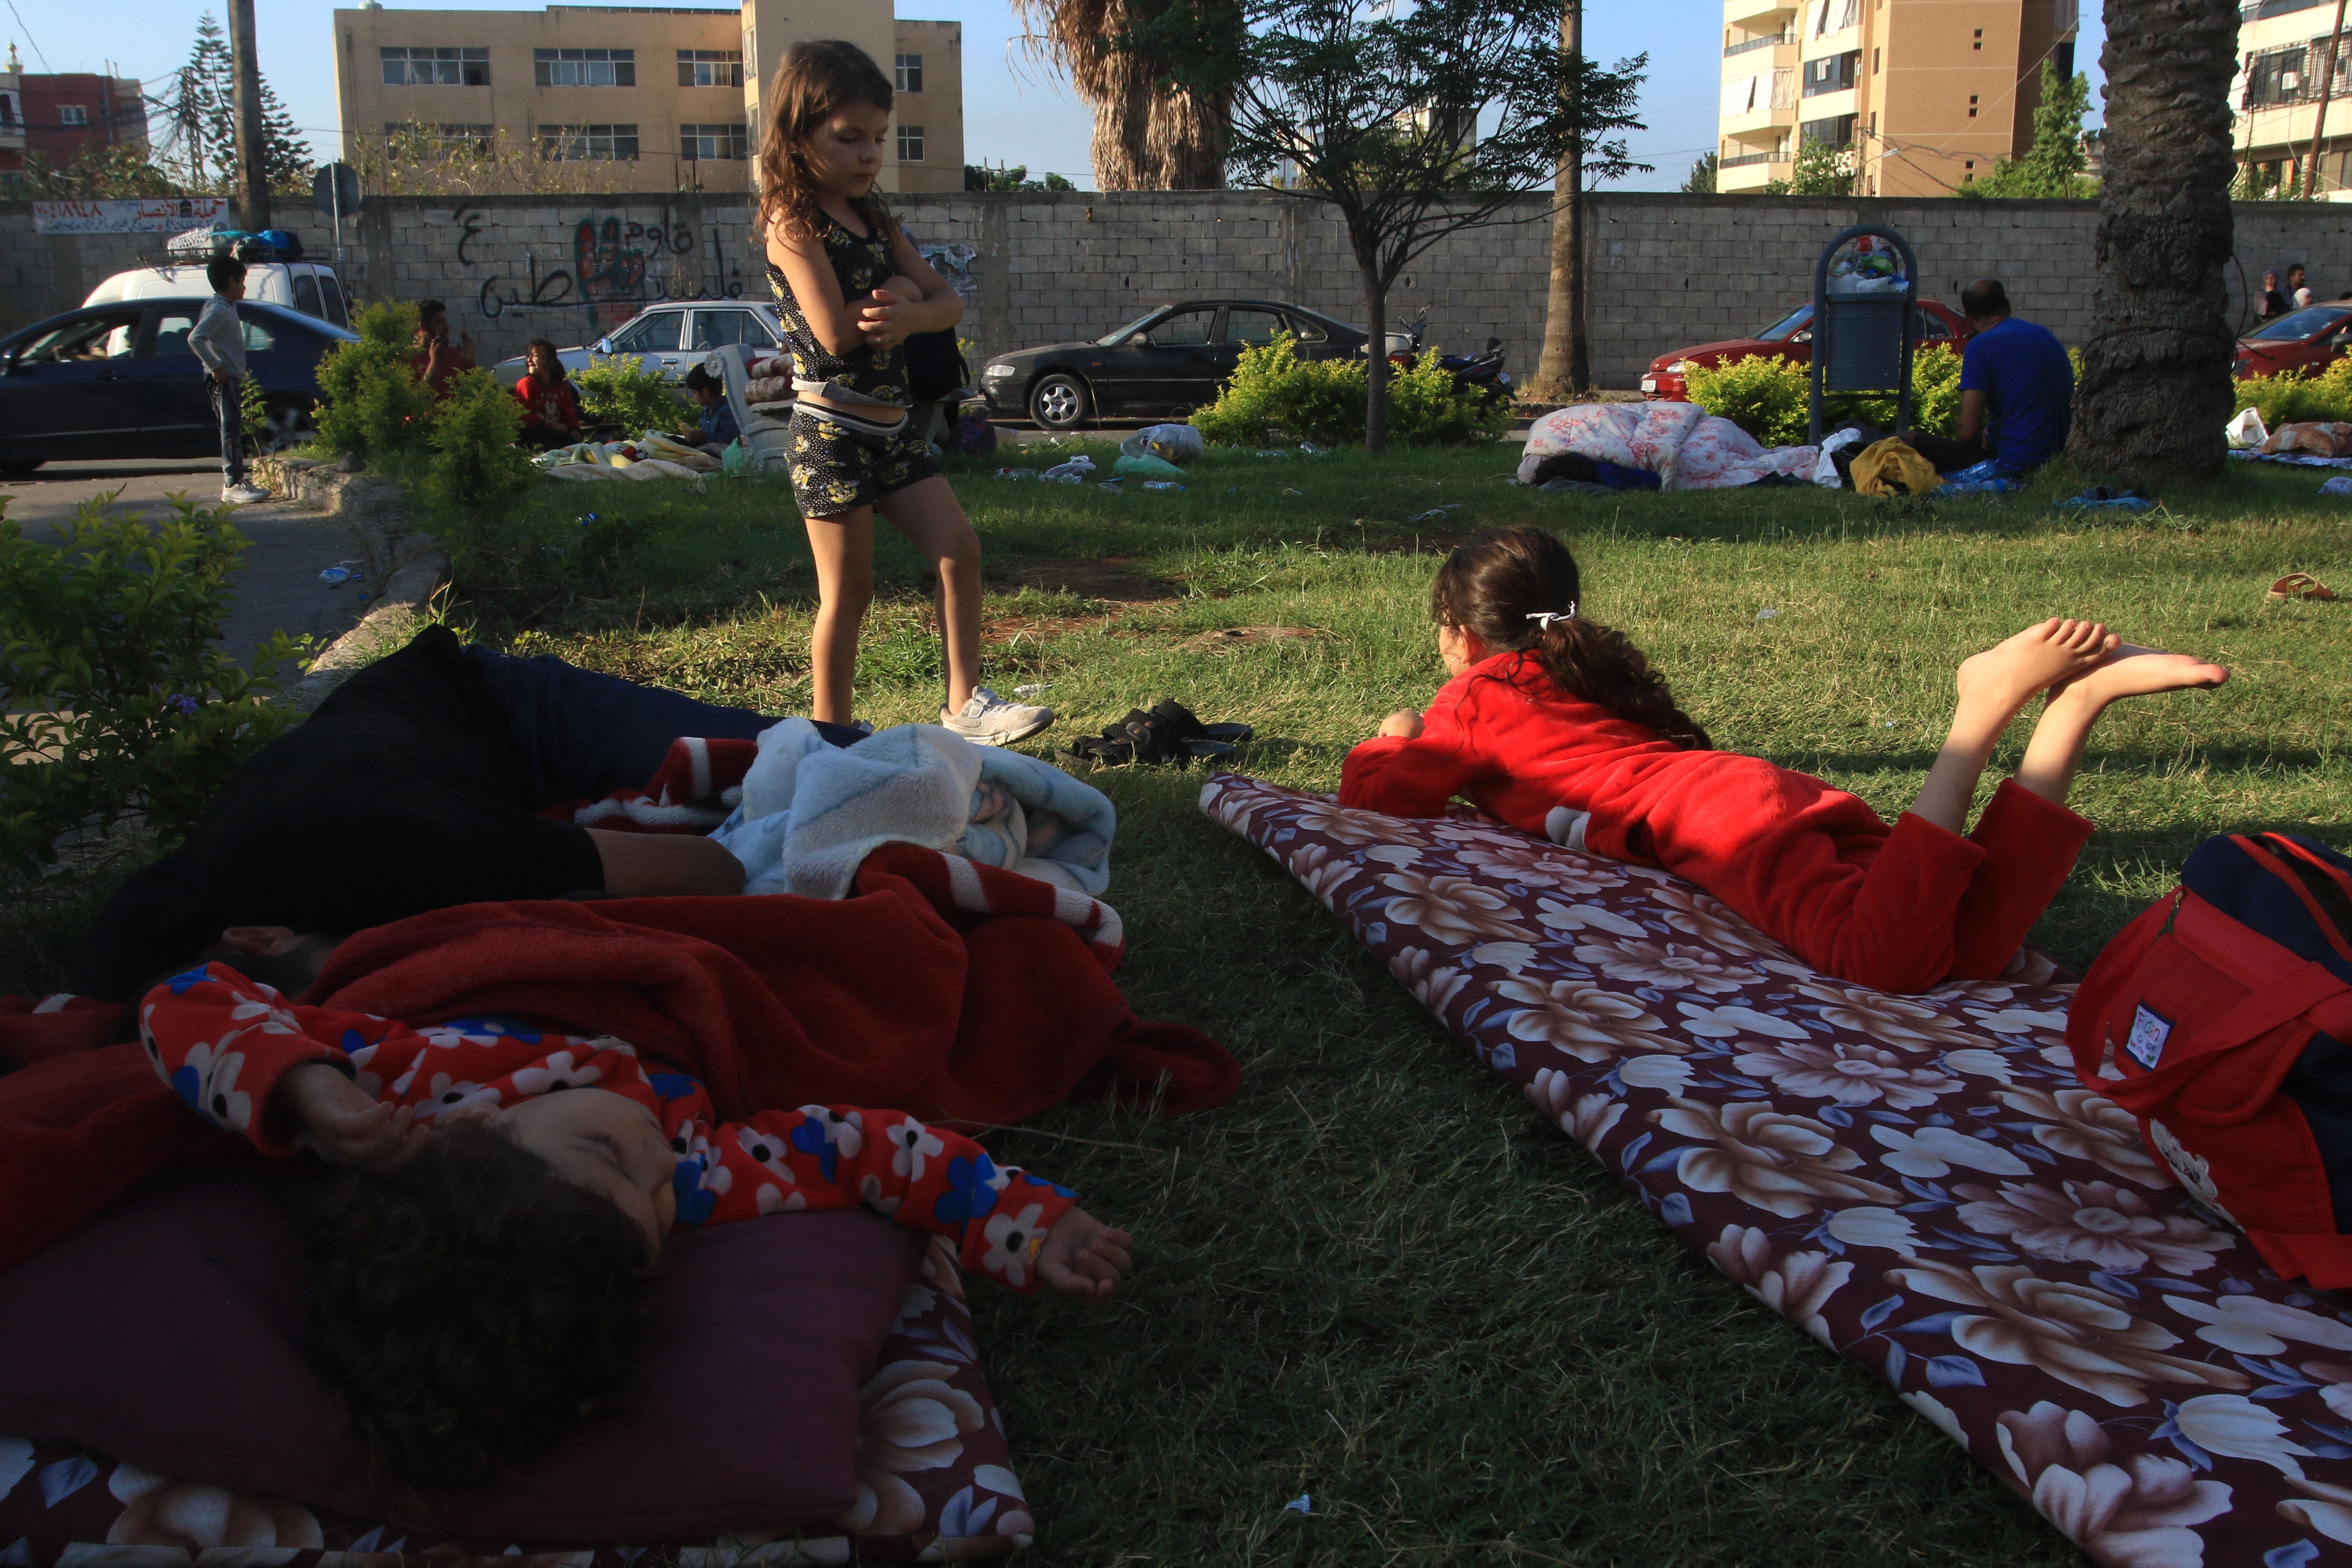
550, 406
484, 1273
1558, 725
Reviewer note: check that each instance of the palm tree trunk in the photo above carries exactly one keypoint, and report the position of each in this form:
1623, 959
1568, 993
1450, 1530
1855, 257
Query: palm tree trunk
2155, 372
1565, 368
1376, 354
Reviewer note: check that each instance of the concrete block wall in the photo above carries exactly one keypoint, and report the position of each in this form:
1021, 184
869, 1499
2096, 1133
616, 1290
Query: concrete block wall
1666, 271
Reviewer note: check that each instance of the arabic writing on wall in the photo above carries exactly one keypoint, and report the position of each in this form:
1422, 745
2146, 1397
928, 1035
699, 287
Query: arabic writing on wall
614, 266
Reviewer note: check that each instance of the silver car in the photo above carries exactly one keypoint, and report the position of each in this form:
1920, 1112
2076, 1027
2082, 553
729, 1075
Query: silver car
671, 338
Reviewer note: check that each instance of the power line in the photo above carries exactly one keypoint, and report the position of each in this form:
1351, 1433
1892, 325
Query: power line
29, 38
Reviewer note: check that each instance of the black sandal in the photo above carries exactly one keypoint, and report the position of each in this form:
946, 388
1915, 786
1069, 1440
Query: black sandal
1169, 734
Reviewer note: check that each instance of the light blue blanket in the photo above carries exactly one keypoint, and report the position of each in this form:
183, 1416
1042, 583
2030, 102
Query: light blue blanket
812, 812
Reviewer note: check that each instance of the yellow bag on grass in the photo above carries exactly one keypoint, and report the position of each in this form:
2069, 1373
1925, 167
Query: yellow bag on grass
1893, 467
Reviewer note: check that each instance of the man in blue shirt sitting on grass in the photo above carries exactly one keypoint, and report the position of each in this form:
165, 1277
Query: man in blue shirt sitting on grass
2016, 386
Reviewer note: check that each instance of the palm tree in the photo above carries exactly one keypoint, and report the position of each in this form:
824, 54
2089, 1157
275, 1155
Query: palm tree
2156, 371
1148, 136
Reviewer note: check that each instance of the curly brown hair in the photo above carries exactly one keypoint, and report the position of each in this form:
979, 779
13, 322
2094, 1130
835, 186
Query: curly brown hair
818, 76
473, 1306
1490, 586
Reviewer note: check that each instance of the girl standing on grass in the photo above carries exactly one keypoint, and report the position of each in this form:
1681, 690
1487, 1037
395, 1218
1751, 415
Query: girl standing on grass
1558, 725
832, 247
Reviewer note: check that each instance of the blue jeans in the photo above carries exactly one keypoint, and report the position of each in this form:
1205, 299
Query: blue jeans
581, 734
228, 413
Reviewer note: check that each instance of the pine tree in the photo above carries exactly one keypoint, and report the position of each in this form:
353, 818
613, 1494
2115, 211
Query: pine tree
204, 119
1701, 182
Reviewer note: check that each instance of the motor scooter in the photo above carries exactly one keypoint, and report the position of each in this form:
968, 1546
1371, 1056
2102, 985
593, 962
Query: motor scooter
1482, 371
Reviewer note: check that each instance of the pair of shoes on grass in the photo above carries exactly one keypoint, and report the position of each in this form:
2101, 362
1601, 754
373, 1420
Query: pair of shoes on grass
1169, 734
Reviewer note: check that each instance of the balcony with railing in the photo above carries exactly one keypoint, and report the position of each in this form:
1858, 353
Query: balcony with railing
1761, 41
1747, 160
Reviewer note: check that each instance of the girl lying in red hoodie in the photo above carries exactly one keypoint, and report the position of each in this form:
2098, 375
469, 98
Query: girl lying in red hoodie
1557, 724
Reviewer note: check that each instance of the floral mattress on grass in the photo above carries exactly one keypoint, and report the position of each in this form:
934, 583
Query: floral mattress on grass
1919, 1182
935, 1483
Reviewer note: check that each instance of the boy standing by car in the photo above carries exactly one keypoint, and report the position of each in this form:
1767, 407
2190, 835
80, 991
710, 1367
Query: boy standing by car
217, 339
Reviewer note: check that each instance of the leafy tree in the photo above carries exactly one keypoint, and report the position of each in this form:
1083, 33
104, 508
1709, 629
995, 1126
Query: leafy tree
981, 177
2053, 167
1821, 170
1701, 182
96, 172
417, 160
1413, 124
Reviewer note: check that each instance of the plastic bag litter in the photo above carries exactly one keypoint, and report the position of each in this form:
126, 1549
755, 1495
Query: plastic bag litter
1161, 485
1435, 513
1170, 443
1146, 466
1825, 469
1016, 473
1073, 472
2341, 485
2246, 430
336, 576
734, 461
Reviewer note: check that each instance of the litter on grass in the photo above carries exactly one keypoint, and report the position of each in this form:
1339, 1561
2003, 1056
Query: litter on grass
1435, 513
1161, 485
1302, 1503
1767, 613
2341, 485
1016, 473
336, 576
1271, 453
1039, 690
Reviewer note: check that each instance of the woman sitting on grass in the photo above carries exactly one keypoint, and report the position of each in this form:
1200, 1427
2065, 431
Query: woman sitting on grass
1557, 724
484, 1272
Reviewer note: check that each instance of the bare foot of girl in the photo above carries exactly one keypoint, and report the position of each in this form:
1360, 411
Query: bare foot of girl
2133, 671
2055, 750
2003, 678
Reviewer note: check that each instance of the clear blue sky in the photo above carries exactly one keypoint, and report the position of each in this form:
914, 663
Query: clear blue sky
1015, 113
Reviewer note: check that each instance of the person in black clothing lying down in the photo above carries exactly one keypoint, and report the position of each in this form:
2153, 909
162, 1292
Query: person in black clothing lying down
415, 786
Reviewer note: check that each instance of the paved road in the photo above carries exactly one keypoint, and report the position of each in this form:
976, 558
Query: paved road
279, 589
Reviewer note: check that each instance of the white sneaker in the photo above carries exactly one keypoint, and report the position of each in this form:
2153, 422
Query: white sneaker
988, 719
243, 495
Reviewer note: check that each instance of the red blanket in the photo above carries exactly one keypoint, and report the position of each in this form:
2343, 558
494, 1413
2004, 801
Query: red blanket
901, 997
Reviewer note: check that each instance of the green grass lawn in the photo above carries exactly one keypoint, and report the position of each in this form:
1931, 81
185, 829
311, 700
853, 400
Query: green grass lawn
1377, 1276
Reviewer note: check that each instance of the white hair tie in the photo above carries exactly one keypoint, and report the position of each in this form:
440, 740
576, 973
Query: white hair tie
1544, 619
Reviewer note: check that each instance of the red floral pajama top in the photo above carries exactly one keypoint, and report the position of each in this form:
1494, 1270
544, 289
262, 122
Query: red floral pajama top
223, 1041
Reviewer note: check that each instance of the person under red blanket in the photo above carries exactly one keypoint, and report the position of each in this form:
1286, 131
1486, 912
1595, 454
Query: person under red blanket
550, 407
1549, 712
510, 1188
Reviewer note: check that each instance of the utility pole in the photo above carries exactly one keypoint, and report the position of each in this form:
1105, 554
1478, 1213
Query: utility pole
2326, 91
252, 150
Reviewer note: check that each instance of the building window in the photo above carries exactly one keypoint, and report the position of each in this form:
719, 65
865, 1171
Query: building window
585, 68
705, 142
1837, 131
443, 137
911, 73
1875, 60
2274, 77
72, 114
589, 143
910, 143
710, 67
1972, 106
1980, 43
435, 67
1831, 73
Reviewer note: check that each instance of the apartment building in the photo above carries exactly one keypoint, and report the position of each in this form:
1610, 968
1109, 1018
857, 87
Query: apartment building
58, 115
1921, 95
2283, 52
667, 98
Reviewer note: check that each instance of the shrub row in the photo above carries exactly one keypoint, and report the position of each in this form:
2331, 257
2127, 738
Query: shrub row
1274, 395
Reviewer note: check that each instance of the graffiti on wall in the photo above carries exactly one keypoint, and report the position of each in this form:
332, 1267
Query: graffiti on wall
615, 266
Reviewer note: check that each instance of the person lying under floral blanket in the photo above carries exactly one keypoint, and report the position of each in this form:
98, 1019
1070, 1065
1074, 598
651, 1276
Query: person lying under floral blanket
486, 1268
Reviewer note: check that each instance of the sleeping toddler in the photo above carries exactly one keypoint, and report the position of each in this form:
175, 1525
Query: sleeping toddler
485, 1270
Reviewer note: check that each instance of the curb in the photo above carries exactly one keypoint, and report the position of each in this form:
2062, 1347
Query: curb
382, 629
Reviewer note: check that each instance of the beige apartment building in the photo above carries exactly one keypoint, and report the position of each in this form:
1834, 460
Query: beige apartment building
2282, 53
669, 98
1921, 95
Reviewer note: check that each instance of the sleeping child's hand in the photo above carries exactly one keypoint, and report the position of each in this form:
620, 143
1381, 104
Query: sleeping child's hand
1405, 723
342, 1122
1085, 1259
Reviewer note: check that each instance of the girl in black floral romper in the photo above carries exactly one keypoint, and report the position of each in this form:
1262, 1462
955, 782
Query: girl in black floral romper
832, 248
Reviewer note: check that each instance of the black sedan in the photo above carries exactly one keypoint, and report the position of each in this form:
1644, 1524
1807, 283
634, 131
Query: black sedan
1169, 361
119, 381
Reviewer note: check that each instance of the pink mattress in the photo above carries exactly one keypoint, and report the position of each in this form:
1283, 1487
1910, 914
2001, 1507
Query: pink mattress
1918, 1183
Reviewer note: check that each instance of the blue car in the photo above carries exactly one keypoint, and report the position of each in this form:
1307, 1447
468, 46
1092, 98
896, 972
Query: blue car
119, 381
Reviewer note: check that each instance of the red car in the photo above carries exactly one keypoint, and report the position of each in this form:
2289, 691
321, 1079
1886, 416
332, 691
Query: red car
1789, 338
2308, 340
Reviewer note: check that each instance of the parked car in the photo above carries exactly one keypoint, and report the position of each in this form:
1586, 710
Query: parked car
2308, 339
310, 286
1789, 338
671, 338
1170, 360
119, 381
